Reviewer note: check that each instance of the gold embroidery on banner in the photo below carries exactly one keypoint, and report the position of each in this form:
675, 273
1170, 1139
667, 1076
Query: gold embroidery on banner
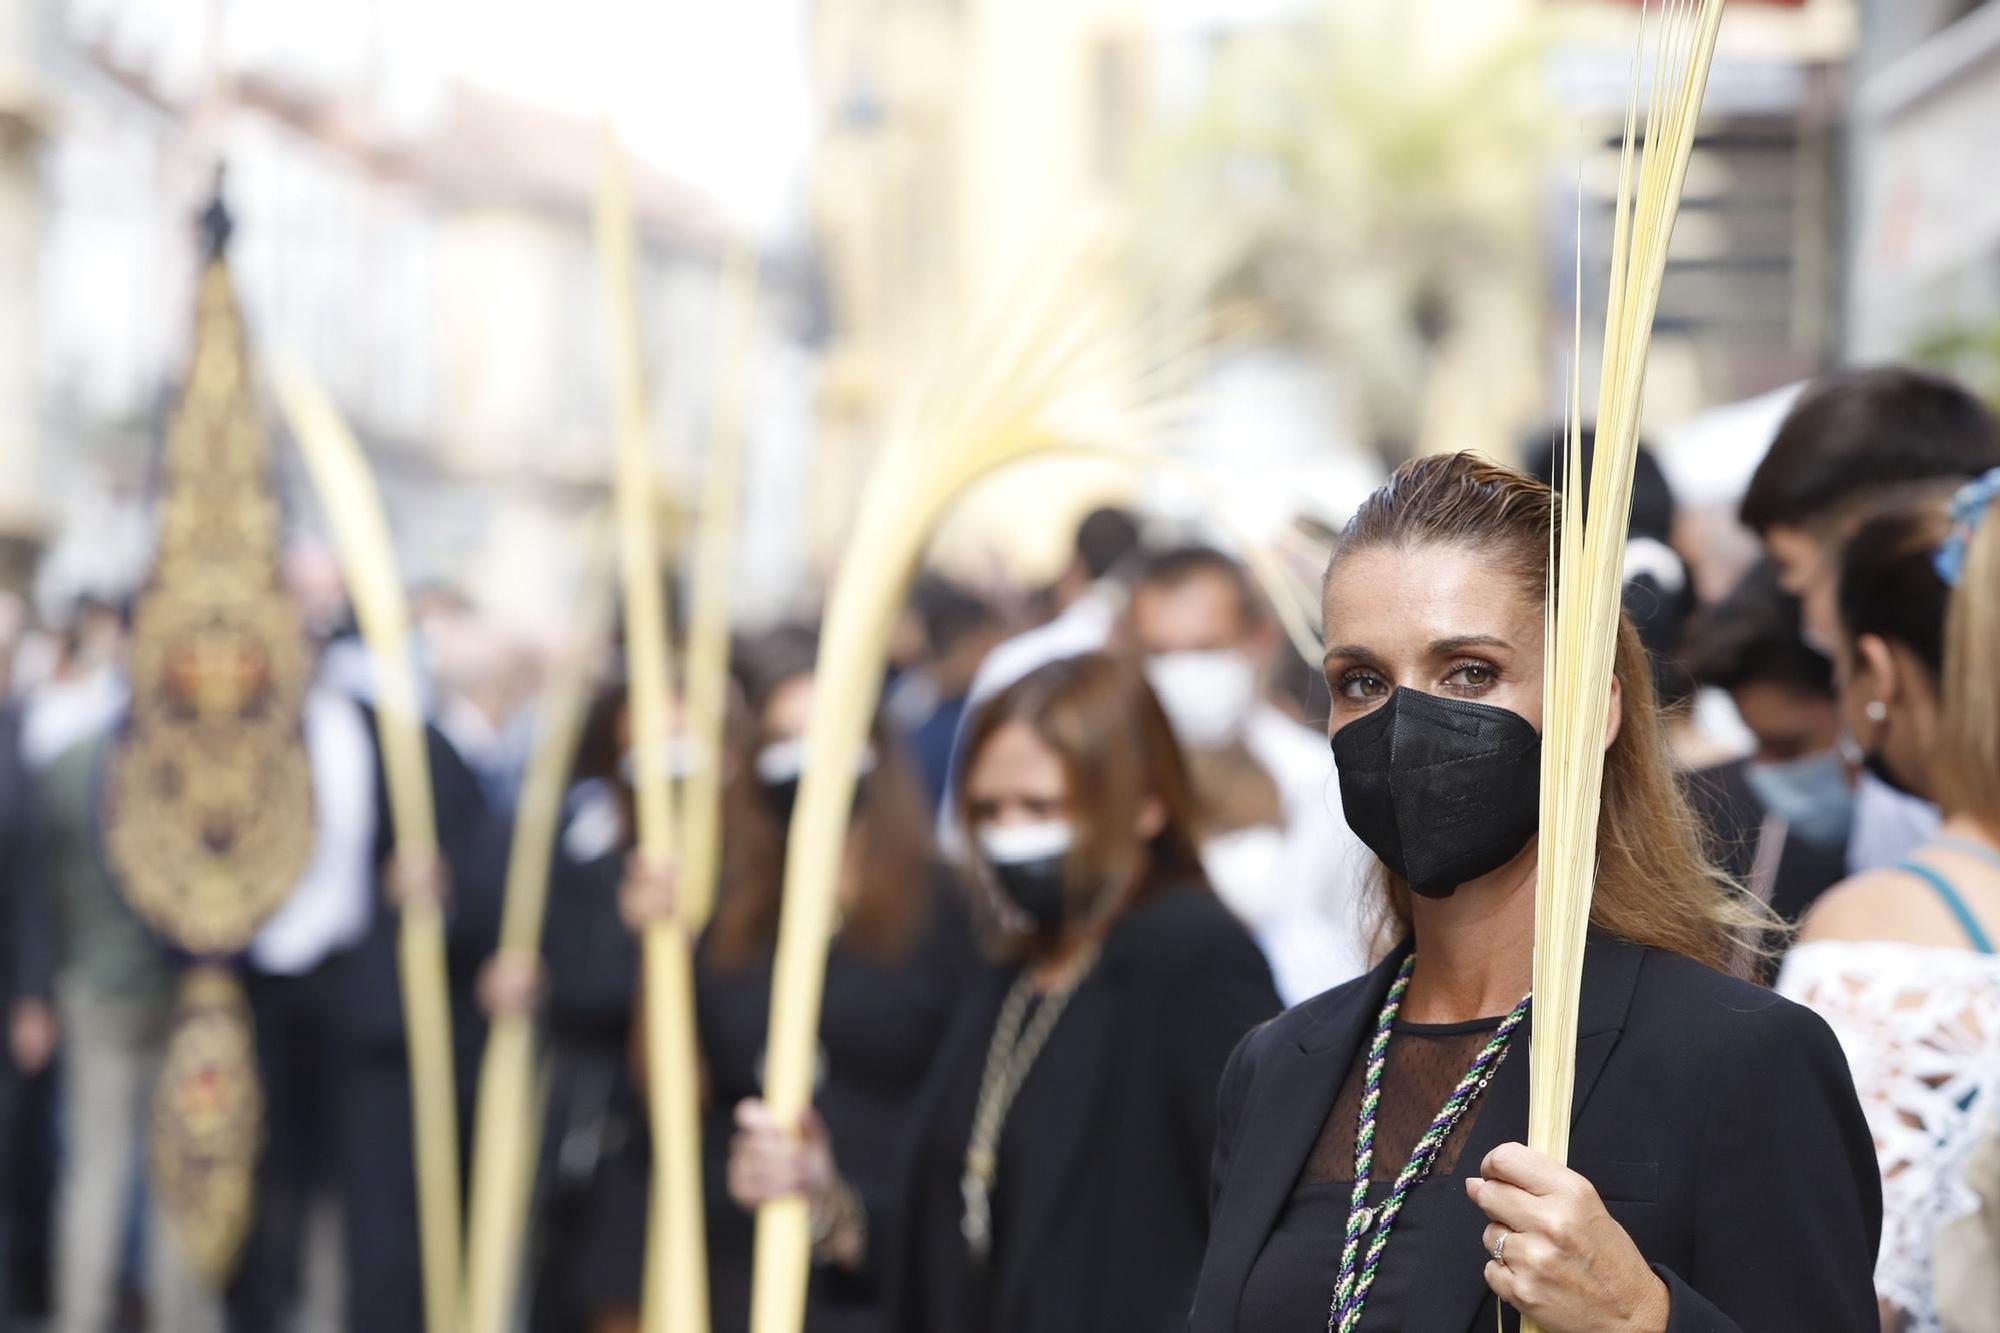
208, 812
210, 792
208, 1115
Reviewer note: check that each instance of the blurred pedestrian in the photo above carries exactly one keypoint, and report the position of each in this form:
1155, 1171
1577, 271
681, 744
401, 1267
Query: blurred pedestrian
326, 1000
1288, 865
1779, 817
116, 992
1902, 960
901, 966
589, 1236
1088, 598
1055, 1179
1855, 441
27, 966
959, 629
1658, 593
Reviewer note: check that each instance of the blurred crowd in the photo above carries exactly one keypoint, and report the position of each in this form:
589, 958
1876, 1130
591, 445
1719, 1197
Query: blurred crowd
1142, 722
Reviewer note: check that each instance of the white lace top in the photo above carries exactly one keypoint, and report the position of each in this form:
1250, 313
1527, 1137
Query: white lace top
1921, 1028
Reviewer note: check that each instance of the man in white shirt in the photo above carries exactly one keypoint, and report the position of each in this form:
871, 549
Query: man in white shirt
1288, 866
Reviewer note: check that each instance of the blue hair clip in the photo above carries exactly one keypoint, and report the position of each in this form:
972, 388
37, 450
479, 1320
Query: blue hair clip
1967, 508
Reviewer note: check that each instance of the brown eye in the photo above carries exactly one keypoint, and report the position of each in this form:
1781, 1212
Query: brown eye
1471, 676
1362, 685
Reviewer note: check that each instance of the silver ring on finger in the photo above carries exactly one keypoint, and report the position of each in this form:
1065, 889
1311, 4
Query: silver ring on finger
1500, 1248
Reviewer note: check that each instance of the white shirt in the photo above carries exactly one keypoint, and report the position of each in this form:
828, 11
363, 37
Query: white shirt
1309, 919
60, 713
334, 902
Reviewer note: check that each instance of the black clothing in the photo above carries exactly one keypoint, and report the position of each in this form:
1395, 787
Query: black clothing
27, 973
881, 1027
1711, 1116
1294, 1277
27, 916
595, 1163
1738, 828
337, 1082
1098, 1212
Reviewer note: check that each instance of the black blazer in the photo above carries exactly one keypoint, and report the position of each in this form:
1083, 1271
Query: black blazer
1718, 1122
473, 841
27, 914
1108, 1200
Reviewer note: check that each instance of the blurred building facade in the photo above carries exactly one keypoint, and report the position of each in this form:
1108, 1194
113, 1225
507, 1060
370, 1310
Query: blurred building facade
1925, 262
23, 124
952, 131
423, 242
1753, 297
956, 143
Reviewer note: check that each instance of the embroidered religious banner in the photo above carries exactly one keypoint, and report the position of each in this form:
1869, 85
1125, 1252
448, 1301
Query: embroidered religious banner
208, 797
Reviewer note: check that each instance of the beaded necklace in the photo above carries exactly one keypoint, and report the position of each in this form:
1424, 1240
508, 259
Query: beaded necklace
1357, 1273
1017, 1042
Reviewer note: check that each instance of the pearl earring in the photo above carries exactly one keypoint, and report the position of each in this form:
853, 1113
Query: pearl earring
1877, 711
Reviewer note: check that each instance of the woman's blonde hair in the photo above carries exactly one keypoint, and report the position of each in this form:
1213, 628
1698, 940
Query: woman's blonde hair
1656, 883
1968, 761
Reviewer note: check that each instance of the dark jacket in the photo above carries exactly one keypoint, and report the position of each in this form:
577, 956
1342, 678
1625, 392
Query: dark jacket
1100, 1212
473, 840
1736, 825
1718, 1122
882, 1025
27, 918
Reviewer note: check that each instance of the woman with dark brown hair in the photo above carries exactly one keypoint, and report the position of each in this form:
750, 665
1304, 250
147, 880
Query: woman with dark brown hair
900, 968
1370, 1172
1054, 1184
591, 1195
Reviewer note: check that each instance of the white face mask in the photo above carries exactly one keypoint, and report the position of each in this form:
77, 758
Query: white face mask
682, 760
785, 761
1011, 844
1207, 695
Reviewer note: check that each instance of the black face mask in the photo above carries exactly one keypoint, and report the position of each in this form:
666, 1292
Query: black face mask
1036, 887
1443, 790
1030, 864
780, 798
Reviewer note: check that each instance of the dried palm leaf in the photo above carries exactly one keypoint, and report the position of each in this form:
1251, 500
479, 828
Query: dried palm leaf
1586, 575
368, 559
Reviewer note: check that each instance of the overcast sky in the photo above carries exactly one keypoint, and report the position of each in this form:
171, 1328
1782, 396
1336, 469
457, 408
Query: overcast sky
714, 92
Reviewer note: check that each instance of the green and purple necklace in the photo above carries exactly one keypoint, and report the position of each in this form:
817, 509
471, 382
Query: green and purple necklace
1357, 1272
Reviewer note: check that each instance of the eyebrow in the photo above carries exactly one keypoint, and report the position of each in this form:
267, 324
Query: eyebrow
1462, 642
1458, 643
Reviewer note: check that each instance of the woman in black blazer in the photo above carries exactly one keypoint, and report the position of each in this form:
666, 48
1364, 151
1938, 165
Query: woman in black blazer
900, 968
1055, 1182
1720, 1175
